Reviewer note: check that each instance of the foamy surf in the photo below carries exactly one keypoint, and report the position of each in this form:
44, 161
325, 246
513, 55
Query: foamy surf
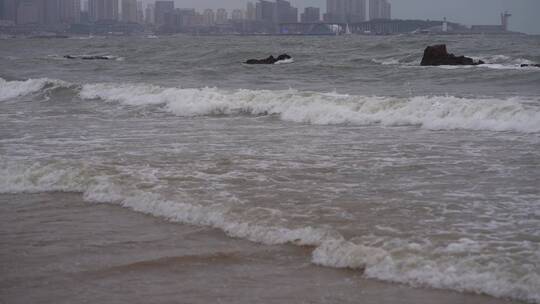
429, 112
14, 89
461, 267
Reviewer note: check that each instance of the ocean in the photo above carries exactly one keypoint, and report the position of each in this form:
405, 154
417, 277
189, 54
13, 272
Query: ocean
353, 167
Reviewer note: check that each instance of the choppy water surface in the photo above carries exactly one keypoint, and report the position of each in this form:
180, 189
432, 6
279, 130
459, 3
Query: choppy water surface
428, 176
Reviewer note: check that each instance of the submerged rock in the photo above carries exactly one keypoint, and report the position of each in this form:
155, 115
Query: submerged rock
437, 55
269, 60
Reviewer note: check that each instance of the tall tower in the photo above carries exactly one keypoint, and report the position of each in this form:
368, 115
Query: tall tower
149, 15
504, 20
250, 11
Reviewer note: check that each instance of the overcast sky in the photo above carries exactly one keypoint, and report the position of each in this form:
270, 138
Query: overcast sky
526, 13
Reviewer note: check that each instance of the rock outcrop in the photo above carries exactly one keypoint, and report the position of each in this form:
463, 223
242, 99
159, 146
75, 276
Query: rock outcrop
531, 65
437, 55
87, 57
269, 60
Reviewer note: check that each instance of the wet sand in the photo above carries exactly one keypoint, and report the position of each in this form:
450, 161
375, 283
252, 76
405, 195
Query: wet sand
55, 248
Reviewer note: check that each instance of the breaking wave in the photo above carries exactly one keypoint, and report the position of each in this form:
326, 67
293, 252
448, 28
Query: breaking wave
429, 112
455, 271
14, 89
435, 113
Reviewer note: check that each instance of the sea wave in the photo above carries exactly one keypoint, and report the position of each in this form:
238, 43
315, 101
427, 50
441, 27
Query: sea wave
453, 270
429, 112
14, 89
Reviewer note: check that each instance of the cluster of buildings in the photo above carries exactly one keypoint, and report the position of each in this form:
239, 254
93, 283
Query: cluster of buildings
258, 17
49, 12
354, 11
264, 16
58, 16
105, 16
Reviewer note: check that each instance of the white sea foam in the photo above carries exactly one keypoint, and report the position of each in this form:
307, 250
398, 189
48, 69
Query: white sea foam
35, 178
497, 62
464, 274
435, 112
285, 61
414, 264
495, 66
14, 89
430, 112
389, 61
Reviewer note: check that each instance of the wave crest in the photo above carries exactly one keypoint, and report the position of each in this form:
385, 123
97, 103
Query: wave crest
14, 89
430, 112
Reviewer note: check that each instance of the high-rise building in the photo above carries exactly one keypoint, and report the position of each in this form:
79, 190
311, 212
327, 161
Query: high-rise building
2, 9
37, 12
311, 15
149, 14
52, 11
209, 17
8, 10
70, 11
162, 8
386, 10
237, 15
265, 11
380, 9
129, 11
285, 13
357, 11
103, 10
222, 16
250, 11
30, 12
140, 12
345, 11
181, 19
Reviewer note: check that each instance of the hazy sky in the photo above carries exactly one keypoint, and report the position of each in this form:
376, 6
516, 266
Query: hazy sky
526, 13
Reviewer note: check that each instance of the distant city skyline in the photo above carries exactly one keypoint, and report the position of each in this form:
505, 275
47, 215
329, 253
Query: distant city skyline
275, 16
525, 12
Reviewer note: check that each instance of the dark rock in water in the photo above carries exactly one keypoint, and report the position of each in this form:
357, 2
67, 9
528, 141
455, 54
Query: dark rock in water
283, 57
87, 57
269, 60
531, 65
437, 55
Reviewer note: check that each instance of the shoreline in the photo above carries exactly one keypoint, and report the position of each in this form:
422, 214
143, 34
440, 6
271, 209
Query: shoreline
58, 248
